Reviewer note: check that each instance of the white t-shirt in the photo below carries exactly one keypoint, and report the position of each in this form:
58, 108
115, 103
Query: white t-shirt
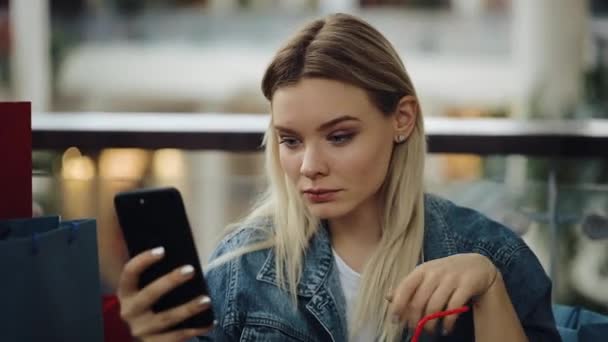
350, 281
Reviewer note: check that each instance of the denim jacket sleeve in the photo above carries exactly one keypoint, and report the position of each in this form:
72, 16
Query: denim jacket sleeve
219, 281
531, 302
527, 284
222, 283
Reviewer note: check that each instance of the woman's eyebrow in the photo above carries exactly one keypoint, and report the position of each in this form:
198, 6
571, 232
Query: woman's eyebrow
337, 120
285, 130
323, 127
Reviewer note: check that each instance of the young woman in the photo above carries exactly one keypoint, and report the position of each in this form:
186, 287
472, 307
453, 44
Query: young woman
345, 245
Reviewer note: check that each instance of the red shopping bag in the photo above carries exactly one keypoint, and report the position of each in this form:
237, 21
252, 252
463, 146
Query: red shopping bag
15, 160
115, 329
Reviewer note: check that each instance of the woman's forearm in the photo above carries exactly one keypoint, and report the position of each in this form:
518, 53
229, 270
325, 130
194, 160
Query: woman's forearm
494, 316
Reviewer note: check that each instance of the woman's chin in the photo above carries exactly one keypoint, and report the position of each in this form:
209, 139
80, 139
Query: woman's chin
327, 210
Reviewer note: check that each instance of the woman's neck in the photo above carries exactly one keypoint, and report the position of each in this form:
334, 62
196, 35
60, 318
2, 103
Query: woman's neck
355, 236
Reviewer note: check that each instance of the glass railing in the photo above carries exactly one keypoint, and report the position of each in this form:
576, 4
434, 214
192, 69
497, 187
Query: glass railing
557, 204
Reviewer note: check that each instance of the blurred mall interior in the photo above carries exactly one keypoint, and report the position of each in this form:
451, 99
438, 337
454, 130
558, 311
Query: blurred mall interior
540, 59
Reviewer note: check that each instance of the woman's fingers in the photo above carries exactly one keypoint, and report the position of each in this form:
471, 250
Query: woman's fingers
438, 285
136, 303
179, 335
128, 285
438, 302
159, 322
404, 293
179, 314
417, 306
159, 287
129, 278
459, 298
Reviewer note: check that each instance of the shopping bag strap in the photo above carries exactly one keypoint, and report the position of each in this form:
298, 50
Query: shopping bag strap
73, 228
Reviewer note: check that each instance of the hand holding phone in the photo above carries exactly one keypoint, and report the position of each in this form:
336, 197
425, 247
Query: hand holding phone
162, 288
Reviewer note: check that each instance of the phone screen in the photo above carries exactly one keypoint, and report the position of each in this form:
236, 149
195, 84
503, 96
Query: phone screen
157, 217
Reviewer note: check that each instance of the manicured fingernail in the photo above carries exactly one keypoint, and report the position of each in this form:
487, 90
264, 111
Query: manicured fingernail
204, 301
158, 251
188, 269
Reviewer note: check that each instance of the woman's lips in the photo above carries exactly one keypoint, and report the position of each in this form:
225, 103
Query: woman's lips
319, 196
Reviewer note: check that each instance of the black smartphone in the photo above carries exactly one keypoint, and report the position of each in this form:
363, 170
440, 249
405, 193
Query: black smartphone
156, 217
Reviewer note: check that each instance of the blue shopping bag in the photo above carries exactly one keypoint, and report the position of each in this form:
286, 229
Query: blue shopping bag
49, 280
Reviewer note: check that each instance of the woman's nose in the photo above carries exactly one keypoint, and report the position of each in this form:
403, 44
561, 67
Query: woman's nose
313, 165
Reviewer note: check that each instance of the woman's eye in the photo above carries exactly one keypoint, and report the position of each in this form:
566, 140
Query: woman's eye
339, 139
290, 142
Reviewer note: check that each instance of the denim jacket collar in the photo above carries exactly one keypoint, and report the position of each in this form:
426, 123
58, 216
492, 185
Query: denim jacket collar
321, 285
317, 265
318, 284
318, 261
253, 309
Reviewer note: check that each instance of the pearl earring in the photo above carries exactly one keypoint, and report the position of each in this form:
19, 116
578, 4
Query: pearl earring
400, 138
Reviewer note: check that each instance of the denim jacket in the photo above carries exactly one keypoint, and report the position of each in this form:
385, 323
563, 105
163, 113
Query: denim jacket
249, 306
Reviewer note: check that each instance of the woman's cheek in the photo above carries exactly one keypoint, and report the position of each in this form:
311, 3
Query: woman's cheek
291, 165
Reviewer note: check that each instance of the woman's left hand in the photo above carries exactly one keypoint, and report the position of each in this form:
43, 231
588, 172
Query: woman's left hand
442, 284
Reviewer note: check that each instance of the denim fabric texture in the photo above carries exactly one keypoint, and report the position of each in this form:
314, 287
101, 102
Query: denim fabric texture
251, 307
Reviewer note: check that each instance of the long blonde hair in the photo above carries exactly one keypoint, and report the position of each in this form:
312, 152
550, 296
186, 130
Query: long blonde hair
345, 48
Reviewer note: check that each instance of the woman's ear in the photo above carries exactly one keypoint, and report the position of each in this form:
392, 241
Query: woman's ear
404, 118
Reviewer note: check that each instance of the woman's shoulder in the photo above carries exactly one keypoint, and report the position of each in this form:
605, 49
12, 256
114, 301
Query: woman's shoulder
452, 229
468, 230
243, 235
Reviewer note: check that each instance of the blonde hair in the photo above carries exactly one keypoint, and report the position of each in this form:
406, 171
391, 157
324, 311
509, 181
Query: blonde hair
344, 48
